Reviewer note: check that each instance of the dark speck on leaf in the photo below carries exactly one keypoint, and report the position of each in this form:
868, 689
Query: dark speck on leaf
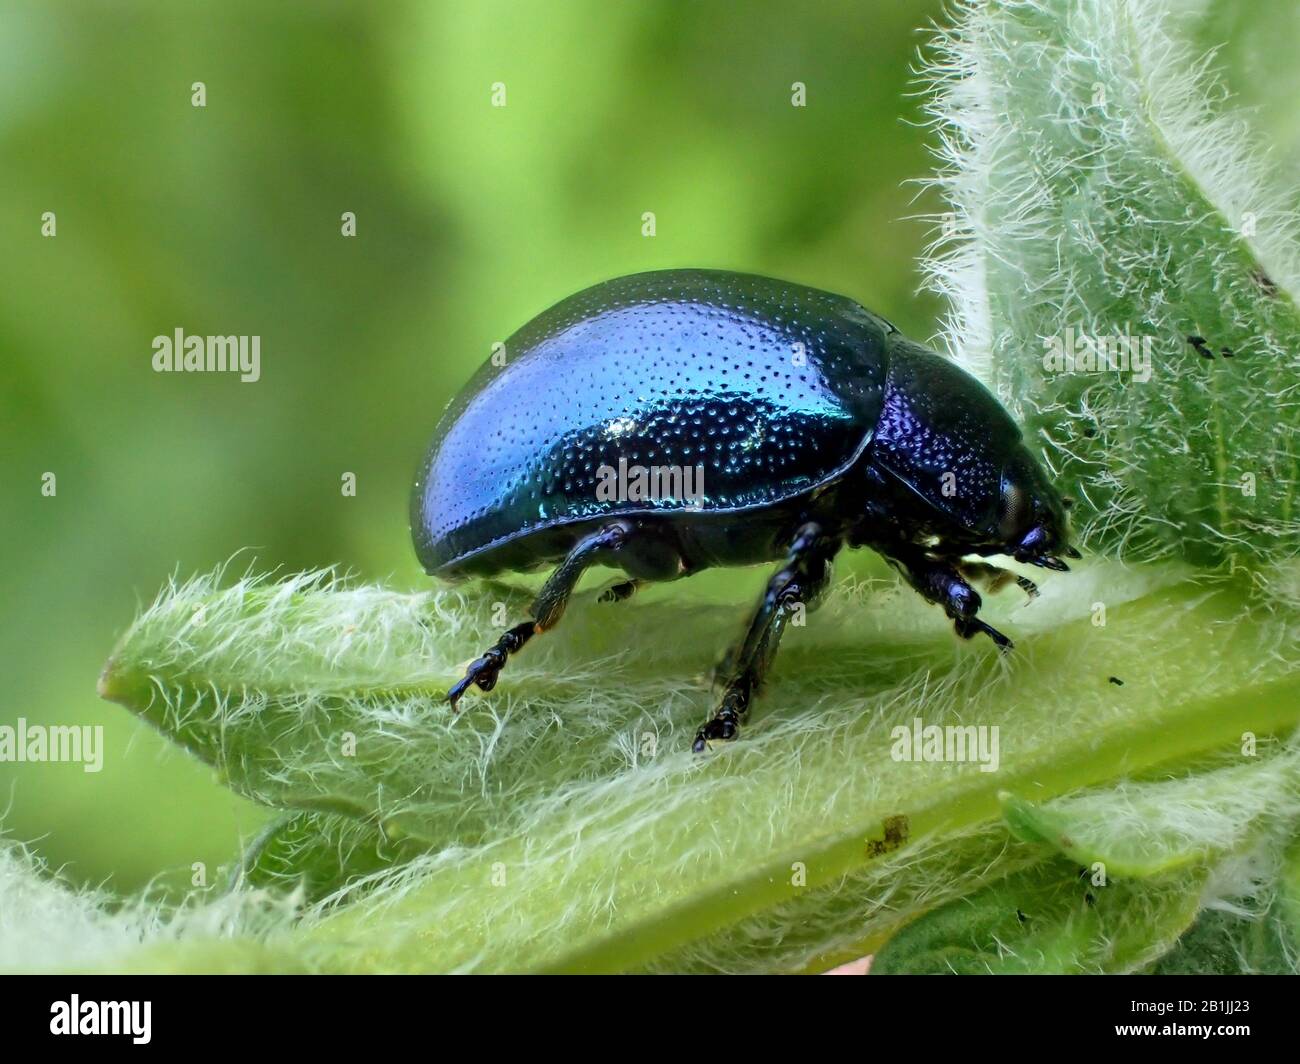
896, 831
1266, 284
1116, 681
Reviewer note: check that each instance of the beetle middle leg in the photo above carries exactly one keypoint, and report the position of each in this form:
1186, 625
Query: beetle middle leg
802, 580
940, 582
547, 608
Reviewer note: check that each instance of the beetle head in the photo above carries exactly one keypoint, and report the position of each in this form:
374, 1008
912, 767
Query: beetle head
1031, 522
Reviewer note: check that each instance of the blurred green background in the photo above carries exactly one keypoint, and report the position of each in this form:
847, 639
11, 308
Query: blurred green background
470, 219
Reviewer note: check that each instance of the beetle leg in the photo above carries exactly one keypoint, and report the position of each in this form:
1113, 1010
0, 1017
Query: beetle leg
484, 671
968, 627
726, 665
547, 608
549, 605
800, 582
941, 583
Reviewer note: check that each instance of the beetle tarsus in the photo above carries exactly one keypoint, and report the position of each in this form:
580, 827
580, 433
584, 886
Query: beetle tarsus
968, 627
483, 672
724, 726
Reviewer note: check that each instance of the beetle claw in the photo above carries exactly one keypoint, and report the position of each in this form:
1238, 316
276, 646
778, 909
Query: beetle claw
457, 692
967, 627
481, 675
718, 730
725, 723
483, 672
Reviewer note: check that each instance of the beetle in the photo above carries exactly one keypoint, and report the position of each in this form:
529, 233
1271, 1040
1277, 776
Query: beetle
813, 424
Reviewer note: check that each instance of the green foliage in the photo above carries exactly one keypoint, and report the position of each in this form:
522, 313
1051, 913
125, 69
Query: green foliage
566, 813
1154, 854
1047, 919
1143, 829
1100, 190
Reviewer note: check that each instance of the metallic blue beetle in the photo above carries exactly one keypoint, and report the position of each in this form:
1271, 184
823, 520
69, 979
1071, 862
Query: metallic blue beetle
667, 422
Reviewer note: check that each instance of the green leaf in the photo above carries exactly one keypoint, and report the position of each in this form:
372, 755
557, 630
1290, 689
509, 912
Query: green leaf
1248, 926
583, 832
1099, 191
316, 855
1048, 919
1143, 829
1232, 943
1288, 899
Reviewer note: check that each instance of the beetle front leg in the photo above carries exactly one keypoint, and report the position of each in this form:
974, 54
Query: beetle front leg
939, 582
801, 580
547, 608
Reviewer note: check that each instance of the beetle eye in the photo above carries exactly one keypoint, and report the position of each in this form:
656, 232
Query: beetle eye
1013, 510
